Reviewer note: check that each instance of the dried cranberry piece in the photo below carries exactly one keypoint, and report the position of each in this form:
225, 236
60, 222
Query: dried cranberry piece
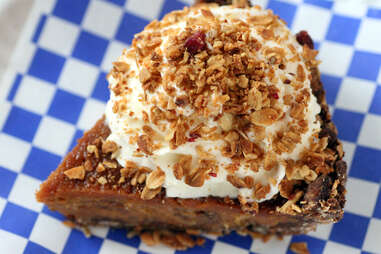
275, 96
193, 137
195, 42
304, 38
212, 174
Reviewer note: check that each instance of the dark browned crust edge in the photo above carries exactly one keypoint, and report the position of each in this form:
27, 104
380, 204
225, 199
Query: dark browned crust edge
320, 189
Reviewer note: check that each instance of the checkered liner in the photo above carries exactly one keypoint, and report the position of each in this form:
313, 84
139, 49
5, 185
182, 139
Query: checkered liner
55, 89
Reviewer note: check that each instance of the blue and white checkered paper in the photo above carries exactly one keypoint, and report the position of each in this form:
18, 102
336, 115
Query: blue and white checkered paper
55, 89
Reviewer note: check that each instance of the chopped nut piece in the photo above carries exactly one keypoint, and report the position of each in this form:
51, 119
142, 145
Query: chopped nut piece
204, 154
287, 99
334, 191
144, 75
134, 179
307, 174
182, 167
264, 117
141, 179
299, 248
259, 131
300, 74
110, 164
109, 147
145, 144
270, 161
309, 55
193, 231
92, 149
76, 173
243, 81
179, 137
102, 180
145, 116
88, 165
287, 207
226, 121
173, 52
232, 137
254, 98
250, 207
242, 200
249, 181
185, 240
100, 167
297, 111
260, 20
122, 179
197, 179
261, 190
236, 181
69, 224
147, 238
148, 194
121, 66
178, 171
155, 179
207, 13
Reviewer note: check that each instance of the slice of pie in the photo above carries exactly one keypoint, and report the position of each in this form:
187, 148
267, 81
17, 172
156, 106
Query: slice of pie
217, 122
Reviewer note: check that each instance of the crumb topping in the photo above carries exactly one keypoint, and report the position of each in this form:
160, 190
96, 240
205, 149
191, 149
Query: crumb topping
76, 173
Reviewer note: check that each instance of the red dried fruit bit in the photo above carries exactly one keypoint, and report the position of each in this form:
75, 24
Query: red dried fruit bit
212, 174
195, 42
193, 137
275, 96
304, 38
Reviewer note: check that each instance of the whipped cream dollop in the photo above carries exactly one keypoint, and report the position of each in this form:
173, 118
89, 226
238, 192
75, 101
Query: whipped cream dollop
273, 114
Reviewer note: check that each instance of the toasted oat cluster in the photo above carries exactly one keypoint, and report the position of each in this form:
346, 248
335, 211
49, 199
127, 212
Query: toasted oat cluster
231, 85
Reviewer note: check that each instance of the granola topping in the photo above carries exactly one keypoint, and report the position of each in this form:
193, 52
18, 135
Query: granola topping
215, 101
75, 173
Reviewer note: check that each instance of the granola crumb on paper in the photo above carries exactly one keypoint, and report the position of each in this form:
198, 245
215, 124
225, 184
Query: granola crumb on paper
174, 240
299, 248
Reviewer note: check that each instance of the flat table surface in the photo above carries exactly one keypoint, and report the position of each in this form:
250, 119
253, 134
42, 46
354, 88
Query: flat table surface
54, 88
